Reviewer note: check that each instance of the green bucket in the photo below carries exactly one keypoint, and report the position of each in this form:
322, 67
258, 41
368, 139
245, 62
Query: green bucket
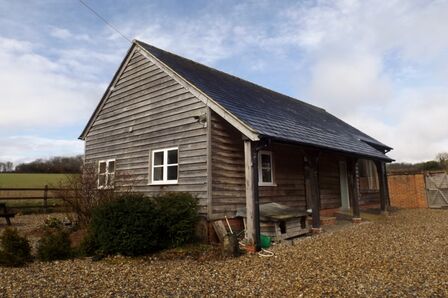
265, 241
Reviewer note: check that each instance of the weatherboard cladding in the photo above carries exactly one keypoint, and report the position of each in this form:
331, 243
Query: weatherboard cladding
269, 113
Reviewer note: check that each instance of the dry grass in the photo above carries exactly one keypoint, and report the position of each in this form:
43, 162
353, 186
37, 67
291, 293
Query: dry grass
403, 255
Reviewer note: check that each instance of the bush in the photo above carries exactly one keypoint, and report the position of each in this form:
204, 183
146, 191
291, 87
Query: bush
178, 215
135, 225
54, 245
89, 246
127, 226
53, 222
15, 249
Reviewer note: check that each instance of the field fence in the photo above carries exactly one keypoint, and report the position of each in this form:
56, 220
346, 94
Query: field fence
33, 199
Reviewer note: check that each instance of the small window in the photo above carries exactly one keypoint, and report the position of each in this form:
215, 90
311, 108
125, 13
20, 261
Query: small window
106, 173
368, 177
265, 169
165, 166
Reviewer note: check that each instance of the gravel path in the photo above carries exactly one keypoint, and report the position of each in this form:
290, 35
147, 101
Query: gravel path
405, 254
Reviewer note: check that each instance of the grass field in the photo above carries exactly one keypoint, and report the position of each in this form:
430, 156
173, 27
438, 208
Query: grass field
16, 180
29, 180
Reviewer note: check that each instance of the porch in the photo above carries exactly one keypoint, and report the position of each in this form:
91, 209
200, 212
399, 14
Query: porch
323, 182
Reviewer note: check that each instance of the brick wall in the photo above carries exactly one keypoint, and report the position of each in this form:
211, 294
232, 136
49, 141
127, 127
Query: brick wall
407, 191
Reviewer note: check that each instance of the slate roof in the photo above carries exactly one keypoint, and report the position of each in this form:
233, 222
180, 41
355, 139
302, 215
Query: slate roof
270, 113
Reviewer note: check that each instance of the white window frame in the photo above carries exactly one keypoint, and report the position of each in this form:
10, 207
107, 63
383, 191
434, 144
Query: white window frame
260, 169
106, 173
165, 166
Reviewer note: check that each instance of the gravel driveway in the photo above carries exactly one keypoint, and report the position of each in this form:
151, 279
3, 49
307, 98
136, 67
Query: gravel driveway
405, 254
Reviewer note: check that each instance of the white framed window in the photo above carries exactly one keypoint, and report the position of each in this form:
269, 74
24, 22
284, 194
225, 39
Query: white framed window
106, 173
265, 169
165, 166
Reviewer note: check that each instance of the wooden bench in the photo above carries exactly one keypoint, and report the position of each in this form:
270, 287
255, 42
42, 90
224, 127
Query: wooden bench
7, 215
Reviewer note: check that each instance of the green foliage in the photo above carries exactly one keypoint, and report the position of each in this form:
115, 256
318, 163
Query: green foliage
178, 215
54, 245
54, 223
127, 226
15, 249
135, 225
89, 246
416, 167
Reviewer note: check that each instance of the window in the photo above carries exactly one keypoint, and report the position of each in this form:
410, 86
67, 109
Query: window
106, 173
368, 178
165, 166
265, 169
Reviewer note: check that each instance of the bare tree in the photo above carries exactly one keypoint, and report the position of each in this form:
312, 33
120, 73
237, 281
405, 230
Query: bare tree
9, 166
82, 194
442, 158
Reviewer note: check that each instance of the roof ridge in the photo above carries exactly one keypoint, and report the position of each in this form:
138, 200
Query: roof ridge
295, 100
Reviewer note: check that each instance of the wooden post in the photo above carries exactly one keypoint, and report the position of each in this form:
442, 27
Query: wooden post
312, 187
250, 200
256, 197
352, 167
384, 191
46, 198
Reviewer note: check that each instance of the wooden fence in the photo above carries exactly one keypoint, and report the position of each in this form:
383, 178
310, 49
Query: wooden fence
44, 198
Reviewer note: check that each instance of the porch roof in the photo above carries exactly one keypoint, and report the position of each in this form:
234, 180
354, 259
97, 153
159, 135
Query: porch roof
272, 114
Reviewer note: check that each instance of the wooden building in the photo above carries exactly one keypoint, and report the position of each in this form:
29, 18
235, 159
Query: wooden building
175, 125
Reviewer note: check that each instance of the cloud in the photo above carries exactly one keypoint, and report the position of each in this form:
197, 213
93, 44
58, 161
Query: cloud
19, 149
379, 67
355, 81
66, 34
39, 92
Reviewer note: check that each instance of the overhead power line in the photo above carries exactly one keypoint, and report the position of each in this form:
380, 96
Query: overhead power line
105, 21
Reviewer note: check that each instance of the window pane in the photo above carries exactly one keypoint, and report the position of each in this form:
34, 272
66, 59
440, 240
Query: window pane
265, 161
102, 167
266, 175
172, 173
172, 156
158, 158
158, 174
111, 167
102, 180
110, 179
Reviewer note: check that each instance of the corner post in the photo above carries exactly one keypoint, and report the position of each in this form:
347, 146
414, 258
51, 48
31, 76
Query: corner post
354, 187
384, 188
252, 198
312, 187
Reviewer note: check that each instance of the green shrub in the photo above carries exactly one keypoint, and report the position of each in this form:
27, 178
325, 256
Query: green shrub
89, 246
127, 226
53, 222
178, 215
54, 245
135, 225
15, 249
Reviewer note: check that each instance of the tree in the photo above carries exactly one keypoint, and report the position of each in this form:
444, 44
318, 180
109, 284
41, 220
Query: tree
53, 165
6, 166
9, 166
442, 158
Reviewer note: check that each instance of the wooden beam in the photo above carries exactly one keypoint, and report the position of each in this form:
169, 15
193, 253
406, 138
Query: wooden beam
352, 169
250, 200
312, 187
384, 191
209, 165
255, 193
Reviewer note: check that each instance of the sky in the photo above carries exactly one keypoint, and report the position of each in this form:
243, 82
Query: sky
381, 66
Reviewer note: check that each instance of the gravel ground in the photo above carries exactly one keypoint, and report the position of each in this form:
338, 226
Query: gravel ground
405, 254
